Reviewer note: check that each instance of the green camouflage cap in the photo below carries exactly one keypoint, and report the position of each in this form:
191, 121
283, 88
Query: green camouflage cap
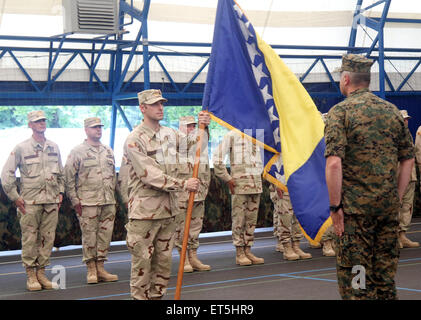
405, 114
36, 115
92, 122
356, 63
187, 120
150, 96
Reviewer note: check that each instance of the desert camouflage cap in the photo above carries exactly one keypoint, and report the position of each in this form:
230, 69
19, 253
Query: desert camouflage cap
92, 122
36, 115
150, 96
405, 114
356, 63
324, 116
187, 120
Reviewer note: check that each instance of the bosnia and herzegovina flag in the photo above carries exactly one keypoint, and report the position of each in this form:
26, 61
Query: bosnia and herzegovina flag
249, 88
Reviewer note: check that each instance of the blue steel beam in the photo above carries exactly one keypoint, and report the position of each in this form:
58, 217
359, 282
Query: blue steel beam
374, 4
12, 96
53, 62
195, 75
99, 54
409, 75
389, 82
93, 72
135, 74
123, 115
309, 70
167, 74
355, 23
145, 45
114, 107
128, 62
377, 25
52, 80
330, 76
399, 20
24, 72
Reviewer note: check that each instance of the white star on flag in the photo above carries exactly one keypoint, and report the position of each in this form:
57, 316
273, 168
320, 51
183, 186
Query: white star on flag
251, 48
265, 93
258, 73
272, 115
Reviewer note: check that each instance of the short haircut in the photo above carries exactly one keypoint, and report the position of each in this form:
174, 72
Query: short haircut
360, 78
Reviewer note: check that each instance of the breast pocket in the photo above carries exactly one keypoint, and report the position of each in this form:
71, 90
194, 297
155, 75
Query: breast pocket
90, 163
32, 166
30, 176
53, 166
89, 176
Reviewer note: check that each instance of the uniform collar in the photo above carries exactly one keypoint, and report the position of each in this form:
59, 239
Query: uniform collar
92, 148
358, 91
36, 145
149, 131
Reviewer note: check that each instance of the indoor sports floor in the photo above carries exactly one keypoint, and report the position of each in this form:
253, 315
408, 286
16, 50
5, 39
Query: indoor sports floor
276, 279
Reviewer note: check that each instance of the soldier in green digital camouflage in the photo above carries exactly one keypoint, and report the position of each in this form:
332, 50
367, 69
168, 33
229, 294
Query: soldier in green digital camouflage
150, 152
365, 139
407, 207
90, 186
187, 152
38, 201
245, 185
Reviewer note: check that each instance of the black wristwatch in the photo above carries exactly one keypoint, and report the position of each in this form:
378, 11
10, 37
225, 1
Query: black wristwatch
336, 208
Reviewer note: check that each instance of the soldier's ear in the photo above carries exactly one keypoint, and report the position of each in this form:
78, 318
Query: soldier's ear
142, 108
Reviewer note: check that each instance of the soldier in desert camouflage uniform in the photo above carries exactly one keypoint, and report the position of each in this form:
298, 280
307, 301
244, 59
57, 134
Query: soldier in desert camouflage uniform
365, 138
407, 207
187, 153
245, 184
288, 231
90, 186
150, 152
39, 199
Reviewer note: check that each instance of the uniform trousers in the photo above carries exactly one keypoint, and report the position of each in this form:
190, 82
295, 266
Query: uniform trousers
96, 224
367, 257
38, 227
244, 211
150, 243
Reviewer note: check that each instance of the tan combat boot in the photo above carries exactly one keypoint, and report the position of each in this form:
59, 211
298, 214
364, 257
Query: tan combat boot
32, 283
301, 253
43, 280
187, 267
103, 275
196, 263
289, 253
252, 257
91, 276
328, 249
279, 247
404, 242
241, 258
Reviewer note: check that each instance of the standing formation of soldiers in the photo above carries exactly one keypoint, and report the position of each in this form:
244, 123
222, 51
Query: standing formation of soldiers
155, 182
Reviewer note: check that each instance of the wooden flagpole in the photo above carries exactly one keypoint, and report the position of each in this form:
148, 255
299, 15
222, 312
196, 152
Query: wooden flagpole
188, 215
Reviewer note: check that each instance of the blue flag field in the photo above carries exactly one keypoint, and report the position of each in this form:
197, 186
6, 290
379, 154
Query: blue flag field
249, 89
